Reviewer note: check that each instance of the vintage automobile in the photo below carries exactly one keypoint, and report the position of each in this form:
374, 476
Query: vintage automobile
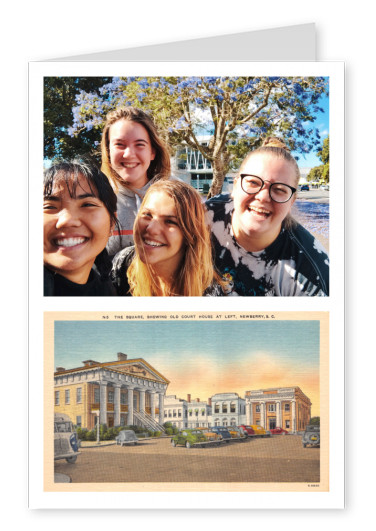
210, 434
223, 432
126, 437
260, 431
278, 431
311, 436
236, 432
66, 442
248, 430
304, 187
189, 437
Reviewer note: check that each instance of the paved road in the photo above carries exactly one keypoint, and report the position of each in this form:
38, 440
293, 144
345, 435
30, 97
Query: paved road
276, 459
315, 196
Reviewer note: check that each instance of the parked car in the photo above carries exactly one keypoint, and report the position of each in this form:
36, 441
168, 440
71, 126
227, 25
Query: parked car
260, 431
304, 187
236, 432
66, 442
189, 438
278, 431
223, 431
126, 437
248, 430
325, 187
210, 434
311, 436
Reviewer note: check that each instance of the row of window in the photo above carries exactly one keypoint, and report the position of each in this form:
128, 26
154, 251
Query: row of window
68, 397
272, 408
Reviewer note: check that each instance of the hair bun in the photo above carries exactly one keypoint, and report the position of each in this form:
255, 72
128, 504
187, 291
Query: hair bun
273, 141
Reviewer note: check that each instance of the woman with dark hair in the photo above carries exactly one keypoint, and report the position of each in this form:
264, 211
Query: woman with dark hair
134, 157
259, 248
79, 212
172, 255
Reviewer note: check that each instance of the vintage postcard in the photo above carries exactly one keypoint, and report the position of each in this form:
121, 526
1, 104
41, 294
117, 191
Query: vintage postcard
185, 402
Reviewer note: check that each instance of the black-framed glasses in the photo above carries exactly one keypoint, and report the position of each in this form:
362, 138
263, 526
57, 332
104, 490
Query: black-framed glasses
278, 192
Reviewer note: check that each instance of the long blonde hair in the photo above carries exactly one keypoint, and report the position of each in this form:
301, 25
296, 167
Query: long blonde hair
160, 167
196, 272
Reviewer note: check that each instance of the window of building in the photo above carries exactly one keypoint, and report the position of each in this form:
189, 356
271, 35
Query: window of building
79, 421
224, 408
96, 395
165, 413
79, 395
67, 396
179, 412
271, 407
203, 412
233, 422
174, 413
123, 399
111, 397
216, 408
216, 422
287, 424
57, 398
232, 407
287, 407
257, 408
190, 412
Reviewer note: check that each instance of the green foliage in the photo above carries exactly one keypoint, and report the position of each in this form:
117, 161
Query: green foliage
175, 430
315, 421
167, 425
321, 172
169, 431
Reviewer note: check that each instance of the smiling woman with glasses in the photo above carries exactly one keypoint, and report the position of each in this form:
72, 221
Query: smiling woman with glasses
259, 248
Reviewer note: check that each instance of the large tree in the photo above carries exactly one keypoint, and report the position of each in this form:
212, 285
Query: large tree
321, 172
237, 112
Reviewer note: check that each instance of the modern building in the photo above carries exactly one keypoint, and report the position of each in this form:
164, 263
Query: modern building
122, 392
288, 408
228, 409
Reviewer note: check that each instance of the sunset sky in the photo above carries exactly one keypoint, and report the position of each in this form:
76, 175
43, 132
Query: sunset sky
202, 358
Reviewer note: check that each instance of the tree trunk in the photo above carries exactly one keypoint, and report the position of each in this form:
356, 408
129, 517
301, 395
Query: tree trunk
220, 168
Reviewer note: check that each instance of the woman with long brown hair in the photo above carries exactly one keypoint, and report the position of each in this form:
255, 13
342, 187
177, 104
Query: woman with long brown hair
134, 156
172, 255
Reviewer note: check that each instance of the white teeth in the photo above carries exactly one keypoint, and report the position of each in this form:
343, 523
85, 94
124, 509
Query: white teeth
69, 242
259, 210
153, 244
133, 165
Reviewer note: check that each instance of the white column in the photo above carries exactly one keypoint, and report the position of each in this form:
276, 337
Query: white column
152, 404
102, 402
278, 413
262, 414
117, 404
142, 400
248, 412
130, 407
161, 408
294, 416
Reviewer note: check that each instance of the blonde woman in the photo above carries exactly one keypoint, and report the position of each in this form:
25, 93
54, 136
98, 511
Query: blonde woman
259, 248
134, 156
172, 255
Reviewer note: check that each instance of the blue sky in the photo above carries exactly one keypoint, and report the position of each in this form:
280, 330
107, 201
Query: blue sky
202, 357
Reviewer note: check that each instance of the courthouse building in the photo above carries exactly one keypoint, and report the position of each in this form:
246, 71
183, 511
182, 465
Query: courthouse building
288, 408
187, 413
122, 392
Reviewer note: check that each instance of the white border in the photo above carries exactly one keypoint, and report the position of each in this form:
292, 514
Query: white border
334, 304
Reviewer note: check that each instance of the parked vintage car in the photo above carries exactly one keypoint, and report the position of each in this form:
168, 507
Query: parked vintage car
126, 437
210, 434
223, 431
304, 187
236, 432
311, 436
248, 430
278, 431
66, 442
189, 438
260, 431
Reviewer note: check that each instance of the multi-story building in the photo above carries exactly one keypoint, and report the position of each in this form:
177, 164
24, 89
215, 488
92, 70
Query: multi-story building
187, 413
122, 392
286, 407
228, 409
